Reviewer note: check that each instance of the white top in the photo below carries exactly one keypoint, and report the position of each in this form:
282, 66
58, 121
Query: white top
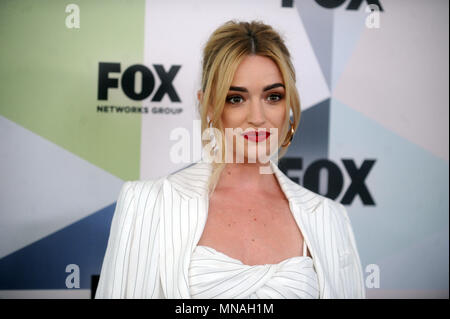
213, 274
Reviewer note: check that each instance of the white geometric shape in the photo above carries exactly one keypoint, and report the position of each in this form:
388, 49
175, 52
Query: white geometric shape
398, 74
44, 187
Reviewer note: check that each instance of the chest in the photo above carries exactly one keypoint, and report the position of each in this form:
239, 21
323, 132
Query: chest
253, 229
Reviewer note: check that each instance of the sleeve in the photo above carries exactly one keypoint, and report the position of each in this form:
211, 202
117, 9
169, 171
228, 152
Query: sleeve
352, 276
112, 280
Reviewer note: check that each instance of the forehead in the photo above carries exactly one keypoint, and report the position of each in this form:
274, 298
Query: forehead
256, 70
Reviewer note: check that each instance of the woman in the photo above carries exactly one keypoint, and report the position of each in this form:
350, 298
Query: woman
225, 227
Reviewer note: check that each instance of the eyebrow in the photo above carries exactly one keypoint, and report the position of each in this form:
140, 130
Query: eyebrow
243, 89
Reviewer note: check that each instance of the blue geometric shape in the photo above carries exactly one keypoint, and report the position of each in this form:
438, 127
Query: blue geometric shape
318, 23
309, 144
310, 141
348, 27
42, 265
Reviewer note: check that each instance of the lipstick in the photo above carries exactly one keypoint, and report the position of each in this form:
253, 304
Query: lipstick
256, 136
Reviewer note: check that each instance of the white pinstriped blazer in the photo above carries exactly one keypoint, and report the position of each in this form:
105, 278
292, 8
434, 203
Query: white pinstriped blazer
158, 223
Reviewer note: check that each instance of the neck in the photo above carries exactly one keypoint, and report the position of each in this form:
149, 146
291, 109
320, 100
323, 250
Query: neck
246, 176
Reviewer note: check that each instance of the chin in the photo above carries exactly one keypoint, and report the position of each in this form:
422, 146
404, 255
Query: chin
250, 155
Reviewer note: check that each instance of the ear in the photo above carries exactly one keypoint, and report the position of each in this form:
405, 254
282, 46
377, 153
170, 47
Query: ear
200, 95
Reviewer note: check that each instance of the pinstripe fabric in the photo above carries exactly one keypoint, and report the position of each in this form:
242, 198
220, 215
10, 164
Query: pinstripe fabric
157, 225
213, 274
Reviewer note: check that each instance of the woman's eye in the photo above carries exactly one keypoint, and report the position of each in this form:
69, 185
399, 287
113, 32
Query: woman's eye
274, 97
235, 99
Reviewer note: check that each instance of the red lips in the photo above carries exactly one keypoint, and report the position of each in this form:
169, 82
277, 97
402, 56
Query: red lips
256, 136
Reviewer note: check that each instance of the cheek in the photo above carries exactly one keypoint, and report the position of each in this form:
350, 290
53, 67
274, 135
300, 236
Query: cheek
277, 116
232, 118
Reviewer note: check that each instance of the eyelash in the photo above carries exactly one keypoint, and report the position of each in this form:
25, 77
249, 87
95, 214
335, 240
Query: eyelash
230, 97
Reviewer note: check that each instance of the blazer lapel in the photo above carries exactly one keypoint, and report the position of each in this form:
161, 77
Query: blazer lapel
307, 208
184, 214
314, 221
183, 218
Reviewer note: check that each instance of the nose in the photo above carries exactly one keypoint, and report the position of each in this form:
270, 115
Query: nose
256, 115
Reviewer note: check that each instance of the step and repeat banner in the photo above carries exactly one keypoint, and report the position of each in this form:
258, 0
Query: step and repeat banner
93, 94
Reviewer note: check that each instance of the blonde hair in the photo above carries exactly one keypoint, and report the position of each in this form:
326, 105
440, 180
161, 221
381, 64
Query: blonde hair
222, 54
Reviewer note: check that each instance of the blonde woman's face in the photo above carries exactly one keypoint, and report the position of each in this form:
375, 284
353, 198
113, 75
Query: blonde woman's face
255, 103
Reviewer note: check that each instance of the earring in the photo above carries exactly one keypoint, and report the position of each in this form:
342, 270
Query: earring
291, 133
212, 137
